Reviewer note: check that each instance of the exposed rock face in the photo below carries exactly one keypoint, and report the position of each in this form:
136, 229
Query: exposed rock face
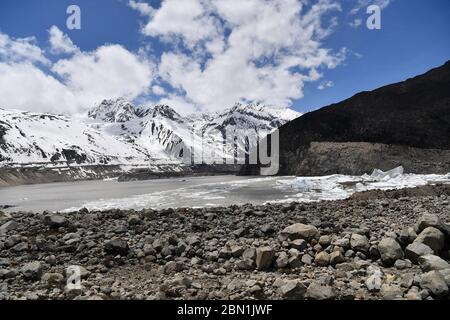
414, 113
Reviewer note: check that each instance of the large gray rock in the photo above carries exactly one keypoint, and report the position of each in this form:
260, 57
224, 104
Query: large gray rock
32, 270
435, 283
8, 226
293, 290
432, 220
432, 237
390, 250
318, 291
359, 242
446, 274
300, 231
264, 258
115, 247
417, 249
55, 221
431, 262
391, 292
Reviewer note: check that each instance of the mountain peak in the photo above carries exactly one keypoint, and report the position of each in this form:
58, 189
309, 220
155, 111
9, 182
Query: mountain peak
113, 110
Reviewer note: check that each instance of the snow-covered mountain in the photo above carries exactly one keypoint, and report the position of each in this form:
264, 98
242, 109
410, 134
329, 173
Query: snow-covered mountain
116, 132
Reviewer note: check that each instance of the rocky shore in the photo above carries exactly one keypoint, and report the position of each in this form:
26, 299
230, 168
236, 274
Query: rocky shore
378, 245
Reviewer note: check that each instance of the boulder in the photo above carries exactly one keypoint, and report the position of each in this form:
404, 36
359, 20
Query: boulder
292, 290
336, 257
55, 221
322, 259
264, 258
390, 250
318, 291
32, 270
300, 231
359, 242
417, 249
432, 237
431, 262
116, 247
432, 220
435, 283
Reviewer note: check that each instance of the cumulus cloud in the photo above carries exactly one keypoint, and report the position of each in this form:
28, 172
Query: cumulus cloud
23, 86
109, 71
238, 51
72, 84
21, 49
60, 42
325, 84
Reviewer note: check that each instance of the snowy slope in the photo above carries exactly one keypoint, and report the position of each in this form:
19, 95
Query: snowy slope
116, 132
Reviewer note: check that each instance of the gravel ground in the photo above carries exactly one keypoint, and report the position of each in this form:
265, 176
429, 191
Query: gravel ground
375, 245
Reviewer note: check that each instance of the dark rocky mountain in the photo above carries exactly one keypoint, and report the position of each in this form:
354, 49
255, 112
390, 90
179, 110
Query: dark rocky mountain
389, 126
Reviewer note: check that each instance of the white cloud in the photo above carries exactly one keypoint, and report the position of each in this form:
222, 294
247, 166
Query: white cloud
23, 86
158, 90
325, 84
60, 42
363, 4
110, 71
21, 49
72, 84
355, 23
237, 51
142, 7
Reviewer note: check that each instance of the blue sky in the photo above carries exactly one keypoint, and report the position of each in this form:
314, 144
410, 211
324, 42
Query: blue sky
414, 37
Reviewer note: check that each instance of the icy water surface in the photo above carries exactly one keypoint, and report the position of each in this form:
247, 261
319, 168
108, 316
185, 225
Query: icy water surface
203, 191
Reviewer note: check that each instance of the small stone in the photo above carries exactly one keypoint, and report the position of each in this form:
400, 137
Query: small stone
8, 273
417, 249
32, 270
264, 257
300, 231
390, 251
237, 251
116, 247
307, 259
53, 279
336, 257
401, 264
282, 261
432, 237
299, 244
391, 292
293, 290
172, 267
134, 220
295, 262
359, 242
324, 241
435, 283
431, 262
322, 259
249, 253
318, 291
373, 282
55, 221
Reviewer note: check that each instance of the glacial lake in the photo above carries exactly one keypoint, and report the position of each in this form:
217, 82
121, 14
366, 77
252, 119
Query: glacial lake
201, 191
161, 193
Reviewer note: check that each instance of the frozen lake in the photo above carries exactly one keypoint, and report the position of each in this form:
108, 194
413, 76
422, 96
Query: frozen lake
202, 191
161, 193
